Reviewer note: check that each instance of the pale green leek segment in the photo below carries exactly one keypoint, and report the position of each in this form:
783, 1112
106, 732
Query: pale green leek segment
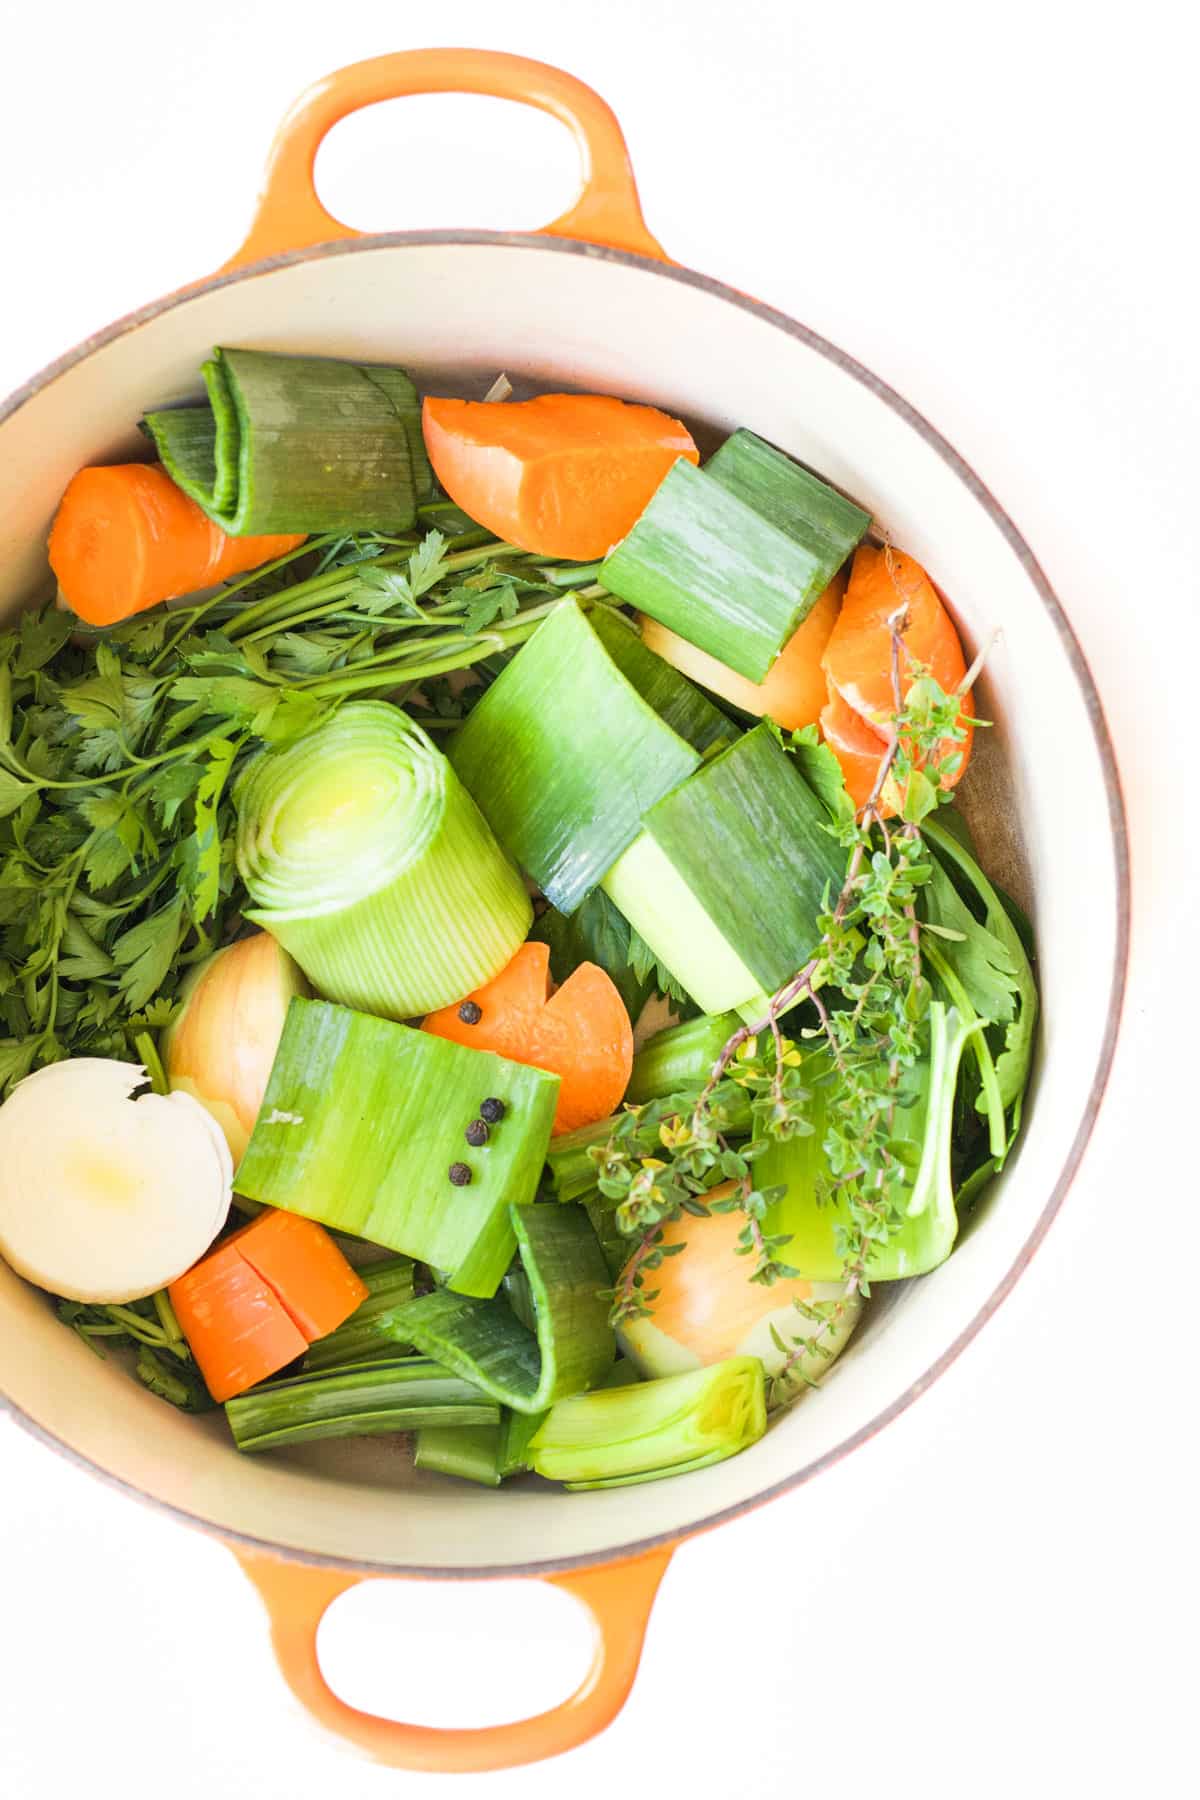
370, 863
736, 581
564, 756
359, 1128
485, 1342
679, 1058
664, 1427
730, 875
364, 1401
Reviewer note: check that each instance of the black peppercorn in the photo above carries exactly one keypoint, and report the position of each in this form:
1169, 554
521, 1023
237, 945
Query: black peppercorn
470, 1013
476, 1133
492, 1111
460, 1175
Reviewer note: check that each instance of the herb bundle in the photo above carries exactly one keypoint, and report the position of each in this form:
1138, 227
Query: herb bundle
859, 1020
119, 754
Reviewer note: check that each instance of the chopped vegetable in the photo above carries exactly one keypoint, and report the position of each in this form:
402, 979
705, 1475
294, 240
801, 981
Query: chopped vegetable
564, 756
794, 690
581, 1033
484, 1341
107, 1194
374, 868
705, 1306
661, 684
632, 1434
220, 1047
370, 1399
573, 1170
125, 538
362, 1121
729, 577
679, 1057
858, 662
260, 1299
745, 826
371, 1331
470, 1452
799, 503
297, 443
815, 1219
561, 475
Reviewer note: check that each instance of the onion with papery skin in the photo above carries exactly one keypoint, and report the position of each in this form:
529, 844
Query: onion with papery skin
366, 857
707, 1308
103, 1196
223, 1042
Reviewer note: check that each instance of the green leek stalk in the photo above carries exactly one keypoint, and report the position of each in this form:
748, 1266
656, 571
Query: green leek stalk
730, 874
366, 858
362, 1122
657, 1428
813, 1220
371, 1330
563, 755
680, 1057
298, 443
470, 1452
365, 1401
704, 560
485, 1342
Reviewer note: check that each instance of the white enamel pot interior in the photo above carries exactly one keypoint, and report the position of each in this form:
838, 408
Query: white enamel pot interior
559, 312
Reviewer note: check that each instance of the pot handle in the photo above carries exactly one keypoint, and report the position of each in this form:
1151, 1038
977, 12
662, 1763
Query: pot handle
289, 215
618, 1595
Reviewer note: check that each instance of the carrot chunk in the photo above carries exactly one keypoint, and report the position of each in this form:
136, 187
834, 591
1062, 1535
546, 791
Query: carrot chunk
259, 1300
125, 538
581, 1033
563, 475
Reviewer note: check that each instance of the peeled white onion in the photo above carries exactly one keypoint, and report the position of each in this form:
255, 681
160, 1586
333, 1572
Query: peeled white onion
104, 1197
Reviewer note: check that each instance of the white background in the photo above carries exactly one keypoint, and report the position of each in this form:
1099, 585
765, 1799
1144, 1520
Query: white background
995, 208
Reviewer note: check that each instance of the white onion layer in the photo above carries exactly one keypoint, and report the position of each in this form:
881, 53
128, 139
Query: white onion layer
104, 1197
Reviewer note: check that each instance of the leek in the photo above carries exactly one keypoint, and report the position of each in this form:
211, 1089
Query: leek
368, 861
484, 1341
365, 1401
563, 757
680, 1057
730, 874
371, 1329
298, 443
362, 1121
680, 705
665, 1427
706, 564
814, 1219
470, 1452
807, 509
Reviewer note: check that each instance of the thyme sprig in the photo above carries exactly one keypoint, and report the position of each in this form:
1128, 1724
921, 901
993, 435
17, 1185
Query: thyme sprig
866, 989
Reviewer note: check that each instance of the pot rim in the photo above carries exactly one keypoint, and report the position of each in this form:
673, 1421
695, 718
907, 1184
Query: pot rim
978, 490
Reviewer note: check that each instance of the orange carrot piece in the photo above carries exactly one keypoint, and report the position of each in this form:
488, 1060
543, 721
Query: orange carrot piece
858, 658
581, 1034
858, 749
125, 538
304, 1268
793, 692
507, 1006
234, 1323
563, 475
261, 1298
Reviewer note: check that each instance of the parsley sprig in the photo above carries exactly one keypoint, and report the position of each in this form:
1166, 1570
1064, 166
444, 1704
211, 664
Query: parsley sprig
119, 754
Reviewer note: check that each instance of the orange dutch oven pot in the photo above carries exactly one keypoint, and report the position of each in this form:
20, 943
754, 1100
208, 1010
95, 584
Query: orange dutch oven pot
591, 302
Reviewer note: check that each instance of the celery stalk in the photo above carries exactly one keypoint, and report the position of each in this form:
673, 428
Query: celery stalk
631, 1434
364, 1401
